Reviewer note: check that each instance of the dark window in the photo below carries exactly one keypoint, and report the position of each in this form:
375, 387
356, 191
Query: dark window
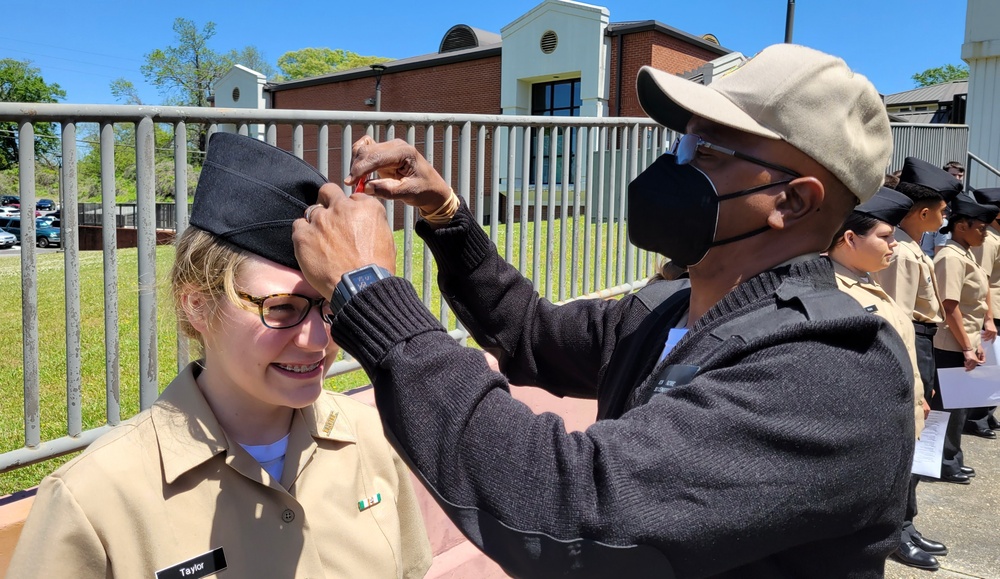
555, 99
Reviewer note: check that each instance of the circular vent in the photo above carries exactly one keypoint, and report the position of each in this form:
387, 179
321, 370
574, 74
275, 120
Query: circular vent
236, 94
549, 42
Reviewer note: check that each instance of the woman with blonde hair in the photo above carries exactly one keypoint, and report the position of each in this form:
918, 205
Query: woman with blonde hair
245, 466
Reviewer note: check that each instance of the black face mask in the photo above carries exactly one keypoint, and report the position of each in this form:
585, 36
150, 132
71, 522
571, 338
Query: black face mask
673, 210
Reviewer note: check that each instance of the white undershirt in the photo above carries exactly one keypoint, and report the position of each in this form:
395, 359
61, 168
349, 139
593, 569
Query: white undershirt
270, 456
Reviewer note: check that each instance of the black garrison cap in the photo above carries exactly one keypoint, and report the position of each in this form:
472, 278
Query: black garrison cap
923, 173
963, 206
990, 196
887, 205
249, 193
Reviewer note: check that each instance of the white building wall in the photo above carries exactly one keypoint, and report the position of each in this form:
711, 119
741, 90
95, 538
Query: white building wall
981, 51
241, 88
580, 53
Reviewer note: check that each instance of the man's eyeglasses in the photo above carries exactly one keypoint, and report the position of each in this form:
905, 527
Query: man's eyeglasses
280, 311
686, 147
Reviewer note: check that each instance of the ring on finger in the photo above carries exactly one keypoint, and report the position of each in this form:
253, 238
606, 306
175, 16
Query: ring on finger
309, 211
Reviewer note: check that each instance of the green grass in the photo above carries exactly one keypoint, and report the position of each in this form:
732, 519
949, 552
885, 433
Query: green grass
52, 334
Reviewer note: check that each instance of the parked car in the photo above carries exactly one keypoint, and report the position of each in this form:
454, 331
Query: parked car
9, 211
7, 240
45, 236
45, 205
10, 200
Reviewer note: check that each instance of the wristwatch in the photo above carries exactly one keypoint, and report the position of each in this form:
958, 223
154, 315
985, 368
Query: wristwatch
354, 281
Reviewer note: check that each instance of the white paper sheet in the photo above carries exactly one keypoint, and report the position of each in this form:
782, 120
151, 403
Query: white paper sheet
975, 389
992, 350
930, 447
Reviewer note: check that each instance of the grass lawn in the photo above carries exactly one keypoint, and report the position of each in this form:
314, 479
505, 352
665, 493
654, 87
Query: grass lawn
52, 331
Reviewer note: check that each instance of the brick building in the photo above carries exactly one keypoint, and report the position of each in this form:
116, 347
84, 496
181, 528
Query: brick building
561, 58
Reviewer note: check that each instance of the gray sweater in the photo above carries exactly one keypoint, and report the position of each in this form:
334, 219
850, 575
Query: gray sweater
775, 440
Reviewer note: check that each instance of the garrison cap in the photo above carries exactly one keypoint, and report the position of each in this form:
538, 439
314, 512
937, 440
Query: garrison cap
990, 196
887, 205
926, 175
249, 193
963, 206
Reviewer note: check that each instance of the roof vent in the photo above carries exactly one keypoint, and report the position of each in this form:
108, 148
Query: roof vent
459, 37
236, 94
549, 42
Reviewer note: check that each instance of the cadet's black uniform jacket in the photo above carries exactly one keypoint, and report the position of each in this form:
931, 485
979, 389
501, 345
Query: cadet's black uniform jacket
775, 440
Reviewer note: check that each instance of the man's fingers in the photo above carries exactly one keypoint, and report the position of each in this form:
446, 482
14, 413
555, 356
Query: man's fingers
329, 195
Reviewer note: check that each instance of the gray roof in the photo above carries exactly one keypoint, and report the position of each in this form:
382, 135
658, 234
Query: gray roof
493, 48
936, 93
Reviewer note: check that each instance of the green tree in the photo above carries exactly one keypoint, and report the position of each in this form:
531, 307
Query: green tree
252, 58
21, 82
940, 74
310, 62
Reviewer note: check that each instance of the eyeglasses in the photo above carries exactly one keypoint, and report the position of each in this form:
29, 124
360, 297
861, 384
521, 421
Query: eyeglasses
686, 147
281, 311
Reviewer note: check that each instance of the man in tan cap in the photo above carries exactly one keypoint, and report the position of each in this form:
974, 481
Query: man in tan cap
757, 423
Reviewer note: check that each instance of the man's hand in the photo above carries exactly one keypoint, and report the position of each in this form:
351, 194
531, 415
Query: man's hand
343, 234
404, 174
989, 330
972, 359
927, 408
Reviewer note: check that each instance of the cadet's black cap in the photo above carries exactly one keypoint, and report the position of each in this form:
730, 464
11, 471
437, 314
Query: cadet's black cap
923, 173
249, 193
887, 205
989, 196
963, 206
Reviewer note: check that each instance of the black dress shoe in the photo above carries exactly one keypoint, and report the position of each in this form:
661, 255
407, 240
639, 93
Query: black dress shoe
909, 554
958, 478
981, 432
967, 471
926, 545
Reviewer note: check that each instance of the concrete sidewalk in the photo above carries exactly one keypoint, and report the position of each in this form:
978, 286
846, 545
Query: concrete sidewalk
966, 518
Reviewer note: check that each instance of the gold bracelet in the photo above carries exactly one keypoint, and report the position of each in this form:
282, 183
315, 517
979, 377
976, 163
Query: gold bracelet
445, 213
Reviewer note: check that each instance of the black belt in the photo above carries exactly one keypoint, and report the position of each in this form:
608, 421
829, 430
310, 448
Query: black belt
925, 328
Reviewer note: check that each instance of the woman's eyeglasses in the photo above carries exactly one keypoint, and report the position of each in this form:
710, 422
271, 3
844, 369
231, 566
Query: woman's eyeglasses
281, 311
686, 147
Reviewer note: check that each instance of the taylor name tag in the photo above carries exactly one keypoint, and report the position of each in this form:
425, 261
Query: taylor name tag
201, 566
871, 309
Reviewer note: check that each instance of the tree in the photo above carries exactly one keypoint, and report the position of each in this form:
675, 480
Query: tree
21, 82
310, 62
946, 73
252, 58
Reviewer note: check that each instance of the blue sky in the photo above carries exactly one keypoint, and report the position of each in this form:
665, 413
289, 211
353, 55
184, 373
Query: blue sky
84, 45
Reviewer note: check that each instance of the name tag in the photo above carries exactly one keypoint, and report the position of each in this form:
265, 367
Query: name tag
204, 565
674, 376
871, 309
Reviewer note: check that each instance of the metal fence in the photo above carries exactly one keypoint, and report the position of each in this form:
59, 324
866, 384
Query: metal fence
525, 178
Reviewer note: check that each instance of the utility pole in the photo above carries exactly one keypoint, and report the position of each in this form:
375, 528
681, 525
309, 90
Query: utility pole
789, 21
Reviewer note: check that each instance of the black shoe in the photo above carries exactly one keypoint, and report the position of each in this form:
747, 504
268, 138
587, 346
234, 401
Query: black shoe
926, 545
967, 471
958, 478
981, 432
909, 554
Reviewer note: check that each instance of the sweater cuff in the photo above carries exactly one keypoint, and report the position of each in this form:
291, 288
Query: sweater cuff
458, 247
380, 316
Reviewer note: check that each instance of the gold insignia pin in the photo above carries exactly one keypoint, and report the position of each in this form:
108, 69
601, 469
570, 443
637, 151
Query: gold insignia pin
330, 421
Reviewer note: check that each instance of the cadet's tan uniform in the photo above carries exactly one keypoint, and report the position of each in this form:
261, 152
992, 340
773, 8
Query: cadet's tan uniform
911, 281
960, 278
873, 298
987, 256
170, 485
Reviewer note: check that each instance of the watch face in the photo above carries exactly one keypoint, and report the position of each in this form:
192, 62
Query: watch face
364, 278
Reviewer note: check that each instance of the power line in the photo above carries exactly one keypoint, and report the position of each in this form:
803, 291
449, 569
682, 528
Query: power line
68, 59
71, 49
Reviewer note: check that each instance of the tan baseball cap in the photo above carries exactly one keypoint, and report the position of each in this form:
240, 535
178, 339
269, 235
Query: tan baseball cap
802, 96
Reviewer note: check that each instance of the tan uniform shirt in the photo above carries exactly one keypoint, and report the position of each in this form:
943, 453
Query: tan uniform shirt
910, 281
874, 299
961, 279
169, 485
987, 256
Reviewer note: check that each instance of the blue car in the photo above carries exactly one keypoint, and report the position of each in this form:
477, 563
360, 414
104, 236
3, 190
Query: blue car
45, 236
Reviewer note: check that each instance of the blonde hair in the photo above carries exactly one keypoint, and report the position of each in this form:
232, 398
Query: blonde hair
207, 265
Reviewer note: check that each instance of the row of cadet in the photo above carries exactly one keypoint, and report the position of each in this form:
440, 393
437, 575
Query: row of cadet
946, 310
